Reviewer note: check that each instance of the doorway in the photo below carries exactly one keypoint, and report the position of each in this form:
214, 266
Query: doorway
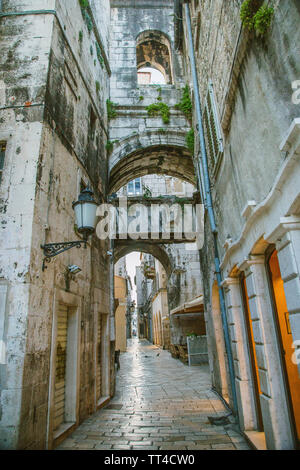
285, 339
253, 359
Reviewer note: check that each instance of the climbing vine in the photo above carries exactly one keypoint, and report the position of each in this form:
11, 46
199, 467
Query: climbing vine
159, 108
111, 109
256, 16
185, 104
147, 192
110, 145
84, 5
263, 19
190, 140
99, 55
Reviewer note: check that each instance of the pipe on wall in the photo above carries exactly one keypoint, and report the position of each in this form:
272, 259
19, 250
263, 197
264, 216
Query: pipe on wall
205, 183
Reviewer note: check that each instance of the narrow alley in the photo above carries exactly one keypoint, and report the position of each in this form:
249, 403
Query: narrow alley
160, 404
161, 139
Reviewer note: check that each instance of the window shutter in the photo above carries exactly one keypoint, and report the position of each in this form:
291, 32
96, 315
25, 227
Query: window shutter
212, 131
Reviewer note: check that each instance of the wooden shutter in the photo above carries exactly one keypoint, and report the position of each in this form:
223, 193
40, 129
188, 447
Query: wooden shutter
213, 134
60, 366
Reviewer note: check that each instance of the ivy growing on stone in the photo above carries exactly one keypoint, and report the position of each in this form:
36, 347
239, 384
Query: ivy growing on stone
84, 5
262, 19
147, 192
99, 55
190, 140
185, 104
111, 109
110, 145
256, 16
97, 86
159, 108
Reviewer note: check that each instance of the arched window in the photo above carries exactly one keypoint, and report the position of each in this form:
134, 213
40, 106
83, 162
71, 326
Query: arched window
153, 52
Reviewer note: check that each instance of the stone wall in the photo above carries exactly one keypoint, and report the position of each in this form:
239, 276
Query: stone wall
252, 188
55, 143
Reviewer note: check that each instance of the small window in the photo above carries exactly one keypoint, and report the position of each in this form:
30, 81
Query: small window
212, 132
134, 187
2, 157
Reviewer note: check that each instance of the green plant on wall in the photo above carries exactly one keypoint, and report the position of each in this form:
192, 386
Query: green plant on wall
80, 36
99, 55
190, 140
185, 104
97, 86
256, 16
159, 108
147, 193
111, 109
84, 5
110, 145
262, 19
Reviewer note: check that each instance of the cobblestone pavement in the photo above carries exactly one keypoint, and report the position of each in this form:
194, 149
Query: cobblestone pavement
160, 404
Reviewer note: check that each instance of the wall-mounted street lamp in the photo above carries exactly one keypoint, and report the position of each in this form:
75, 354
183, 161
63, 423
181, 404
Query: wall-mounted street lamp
85, 213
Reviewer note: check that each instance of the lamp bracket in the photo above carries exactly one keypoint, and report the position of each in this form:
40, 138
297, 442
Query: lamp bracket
53, 249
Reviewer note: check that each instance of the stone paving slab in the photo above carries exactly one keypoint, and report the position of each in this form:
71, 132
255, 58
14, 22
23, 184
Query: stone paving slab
160, 404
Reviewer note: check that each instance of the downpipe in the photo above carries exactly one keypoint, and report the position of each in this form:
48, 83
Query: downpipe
205, 184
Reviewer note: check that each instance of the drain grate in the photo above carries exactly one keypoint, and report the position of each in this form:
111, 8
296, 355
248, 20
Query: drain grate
114, 407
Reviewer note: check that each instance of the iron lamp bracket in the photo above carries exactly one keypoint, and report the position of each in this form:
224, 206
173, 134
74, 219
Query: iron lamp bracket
53, 249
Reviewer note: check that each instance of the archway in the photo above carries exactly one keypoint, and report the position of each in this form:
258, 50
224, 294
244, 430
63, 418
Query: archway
150, 153
153, 50
123, 248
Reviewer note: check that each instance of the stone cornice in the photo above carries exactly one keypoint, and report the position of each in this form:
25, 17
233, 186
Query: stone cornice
290, 164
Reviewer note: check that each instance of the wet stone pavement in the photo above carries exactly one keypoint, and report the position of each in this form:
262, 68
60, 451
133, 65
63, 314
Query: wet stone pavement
160, 404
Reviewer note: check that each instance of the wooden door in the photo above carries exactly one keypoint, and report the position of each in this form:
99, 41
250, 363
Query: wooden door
286, 339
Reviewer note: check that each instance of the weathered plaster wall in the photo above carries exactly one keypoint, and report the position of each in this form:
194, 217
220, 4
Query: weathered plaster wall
49, 77
24, 67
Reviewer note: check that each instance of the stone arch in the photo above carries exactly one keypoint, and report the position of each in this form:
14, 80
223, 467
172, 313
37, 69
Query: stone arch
158, 251
153, 49
150, 153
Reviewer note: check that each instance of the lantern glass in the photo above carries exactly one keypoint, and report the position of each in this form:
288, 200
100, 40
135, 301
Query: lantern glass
85, 212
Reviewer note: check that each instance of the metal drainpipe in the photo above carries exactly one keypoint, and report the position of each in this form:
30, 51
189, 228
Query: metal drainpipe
209, 205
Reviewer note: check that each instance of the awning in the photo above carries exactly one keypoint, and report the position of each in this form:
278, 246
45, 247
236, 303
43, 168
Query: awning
195, 306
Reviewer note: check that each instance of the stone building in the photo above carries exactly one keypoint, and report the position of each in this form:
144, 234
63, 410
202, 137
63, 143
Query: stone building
251, 129
123, 305
54, 82
78, 110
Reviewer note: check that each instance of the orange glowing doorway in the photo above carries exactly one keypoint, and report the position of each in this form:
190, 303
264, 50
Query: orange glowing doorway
286, 339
